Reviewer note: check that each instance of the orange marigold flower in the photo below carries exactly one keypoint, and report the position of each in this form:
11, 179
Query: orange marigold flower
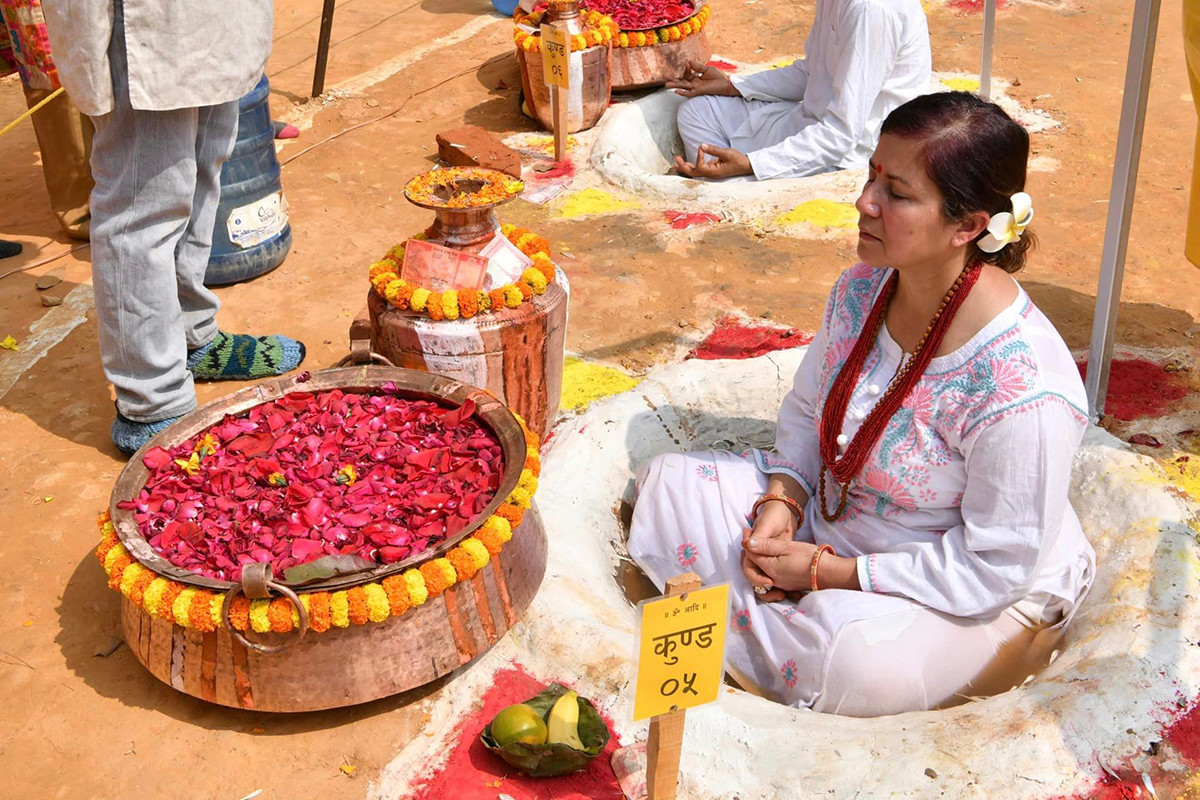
513, 513
490, 540
280, 615
496, 299
434, 306
463, 564
200, 612
397, 592
239, 613
138, 590
357, 598
114, 578
439, 575
535, 466
525, 289
468, 304
167, 602
318, 612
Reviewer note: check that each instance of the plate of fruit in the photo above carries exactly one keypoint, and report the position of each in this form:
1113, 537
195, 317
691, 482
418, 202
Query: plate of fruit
556, 732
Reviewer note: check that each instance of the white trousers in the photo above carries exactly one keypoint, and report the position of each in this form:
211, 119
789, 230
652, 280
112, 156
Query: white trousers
709, 119
844, 652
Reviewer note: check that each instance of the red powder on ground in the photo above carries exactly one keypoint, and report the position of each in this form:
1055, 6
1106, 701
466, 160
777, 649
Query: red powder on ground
725, 65
1184, 736
560, 169
734, 338
1108, 789
973, 6
1139, 388
682, 220
473, 773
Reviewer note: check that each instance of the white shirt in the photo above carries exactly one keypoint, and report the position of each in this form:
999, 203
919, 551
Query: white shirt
962, 505
862, 58
182, 53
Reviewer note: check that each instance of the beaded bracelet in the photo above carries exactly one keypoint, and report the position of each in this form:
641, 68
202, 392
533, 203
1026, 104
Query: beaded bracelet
812, 571
787, 501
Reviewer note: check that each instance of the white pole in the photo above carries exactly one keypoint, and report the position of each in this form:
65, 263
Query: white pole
989, 38
1120, 201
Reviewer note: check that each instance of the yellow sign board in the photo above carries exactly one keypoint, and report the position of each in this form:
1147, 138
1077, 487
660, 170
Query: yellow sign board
681, 653
556, 48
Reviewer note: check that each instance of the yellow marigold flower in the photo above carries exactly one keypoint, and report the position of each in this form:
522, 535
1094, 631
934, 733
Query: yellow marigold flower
380, 267
507, 228
521, 498
450, 303
397, 252
346, 476
485, 302
528, 481
181, 609
259, 621
377, 602
479, 554
392, 289
419, 296
115, 552
417, 591
685, 27
339, 610
579, 42
277, 479
130, 576
217, 608
512, 296
536, 279
153, 595
499, 526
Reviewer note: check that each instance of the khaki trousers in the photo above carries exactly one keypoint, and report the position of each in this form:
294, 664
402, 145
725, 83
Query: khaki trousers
65, 138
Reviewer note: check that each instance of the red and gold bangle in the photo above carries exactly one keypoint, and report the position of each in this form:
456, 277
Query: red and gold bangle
787, 501
812, 572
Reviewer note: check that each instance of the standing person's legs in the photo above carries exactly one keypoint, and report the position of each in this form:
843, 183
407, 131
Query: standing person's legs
144, 164
65, 138
710, 120
216, 132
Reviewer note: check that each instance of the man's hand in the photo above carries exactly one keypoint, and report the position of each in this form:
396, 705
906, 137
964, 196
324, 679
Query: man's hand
699, 78
715, 162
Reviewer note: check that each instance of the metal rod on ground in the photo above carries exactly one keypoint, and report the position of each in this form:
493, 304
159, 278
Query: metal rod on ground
323, 48
989, 38
1120, 201
666, 731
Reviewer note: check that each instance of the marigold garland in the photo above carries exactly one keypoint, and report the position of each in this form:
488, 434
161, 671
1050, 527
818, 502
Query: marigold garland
384, 276
496, 188
531, 41
527, 34
201, 609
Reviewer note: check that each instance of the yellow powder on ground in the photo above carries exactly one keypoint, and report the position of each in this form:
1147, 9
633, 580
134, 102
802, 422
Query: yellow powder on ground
593, 201
1183, 472
584, 383
821, 214
961, 84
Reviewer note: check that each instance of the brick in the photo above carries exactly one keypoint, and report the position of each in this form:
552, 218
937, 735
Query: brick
472, 146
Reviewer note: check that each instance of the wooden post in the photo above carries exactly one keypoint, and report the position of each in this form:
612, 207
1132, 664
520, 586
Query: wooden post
666, 730
323, 48
560, 102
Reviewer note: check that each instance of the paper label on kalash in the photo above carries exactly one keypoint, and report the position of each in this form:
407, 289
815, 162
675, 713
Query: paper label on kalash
440, 268
506, 262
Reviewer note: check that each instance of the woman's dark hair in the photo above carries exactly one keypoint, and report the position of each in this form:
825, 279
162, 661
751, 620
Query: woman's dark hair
975, 154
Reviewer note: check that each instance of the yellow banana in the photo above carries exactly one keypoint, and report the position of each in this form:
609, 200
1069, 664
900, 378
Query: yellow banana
564, 722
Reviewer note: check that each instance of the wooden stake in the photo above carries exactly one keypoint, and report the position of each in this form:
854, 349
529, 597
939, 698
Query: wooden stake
560, 101
666, 730
323, 36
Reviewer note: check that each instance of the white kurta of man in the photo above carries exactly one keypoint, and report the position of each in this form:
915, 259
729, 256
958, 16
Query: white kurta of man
182, 53
823, 112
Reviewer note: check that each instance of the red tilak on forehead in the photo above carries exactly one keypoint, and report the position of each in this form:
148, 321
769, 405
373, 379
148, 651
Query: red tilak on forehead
879, 168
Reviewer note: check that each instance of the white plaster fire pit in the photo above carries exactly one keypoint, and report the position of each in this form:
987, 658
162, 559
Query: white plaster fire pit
1128, 666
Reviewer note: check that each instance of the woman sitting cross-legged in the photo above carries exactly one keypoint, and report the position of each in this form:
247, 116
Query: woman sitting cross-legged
918, 487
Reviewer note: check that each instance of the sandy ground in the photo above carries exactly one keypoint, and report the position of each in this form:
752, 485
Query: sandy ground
78, 725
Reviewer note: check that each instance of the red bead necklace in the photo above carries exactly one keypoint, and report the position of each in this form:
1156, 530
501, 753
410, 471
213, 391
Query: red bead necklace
851, 462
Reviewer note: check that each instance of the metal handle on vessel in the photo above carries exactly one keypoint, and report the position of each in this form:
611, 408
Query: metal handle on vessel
258, 581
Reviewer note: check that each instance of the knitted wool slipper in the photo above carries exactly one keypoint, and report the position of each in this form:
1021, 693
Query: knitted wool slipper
238, 357
129, 436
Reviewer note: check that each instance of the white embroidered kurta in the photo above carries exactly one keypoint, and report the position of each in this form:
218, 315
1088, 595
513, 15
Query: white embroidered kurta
181, 53
959, 520
862, 58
